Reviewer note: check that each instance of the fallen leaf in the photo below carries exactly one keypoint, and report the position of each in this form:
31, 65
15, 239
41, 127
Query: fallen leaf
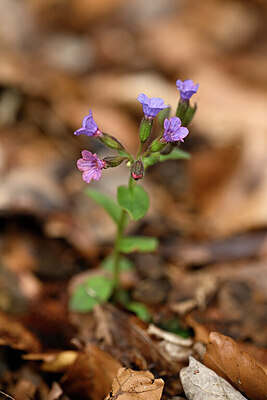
91, 375
177, 347
138, 385
201, 383
224, 356
135, 346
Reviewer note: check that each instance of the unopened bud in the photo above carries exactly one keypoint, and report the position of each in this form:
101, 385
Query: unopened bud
137, 170
111, 142
157, 145
113, 161
189, 115
145, 128
182, 108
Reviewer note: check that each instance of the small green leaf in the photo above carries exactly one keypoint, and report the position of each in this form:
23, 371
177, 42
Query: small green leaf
138, 243
111, 207
124, 153
151, 160
134, 200
95, 290
140, 310
125, 264
176, 154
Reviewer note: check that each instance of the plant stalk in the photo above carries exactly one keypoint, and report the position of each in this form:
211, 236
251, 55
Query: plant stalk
117, 254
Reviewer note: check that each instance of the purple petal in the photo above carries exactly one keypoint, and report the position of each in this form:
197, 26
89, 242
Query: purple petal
166, 124
84, 165
168, 136
175, 123
156, 102
143, 98
182, 133
188, 85
81, 131
179, 84
87, 155
88, 175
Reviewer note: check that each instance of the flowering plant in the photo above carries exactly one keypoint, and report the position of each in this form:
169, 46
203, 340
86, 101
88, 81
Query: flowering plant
132, 200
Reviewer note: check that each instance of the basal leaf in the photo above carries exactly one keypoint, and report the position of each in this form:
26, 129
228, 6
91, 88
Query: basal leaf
134, 200
95, 290
140, 310
111, 207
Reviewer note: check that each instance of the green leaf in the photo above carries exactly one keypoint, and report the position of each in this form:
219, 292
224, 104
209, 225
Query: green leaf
140, 310
111, 207
125, 264
95, 290
134, 200
124, 153
138, 243
176, 154
151, 160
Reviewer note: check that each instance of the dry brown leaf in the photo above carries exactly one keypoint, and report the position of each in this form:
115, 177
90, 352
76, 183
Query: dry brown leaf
201, 383
91, 375
135, 385
15, 335
225, 358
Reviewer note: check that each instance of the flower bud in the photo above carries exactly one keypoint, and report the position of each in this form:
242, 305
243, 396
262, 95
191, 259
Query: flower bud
185, 112
113, 161
137, 170
145, 128
157, 145
111, 142
182, 108
189, 115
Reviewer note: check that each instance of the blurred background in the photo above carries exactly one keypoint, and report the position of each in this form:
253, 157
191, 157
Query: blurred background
58, 59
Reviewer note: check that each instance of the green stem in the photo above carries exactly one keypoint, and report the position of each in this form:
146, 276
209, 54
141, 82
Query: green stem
139, 150
117, 254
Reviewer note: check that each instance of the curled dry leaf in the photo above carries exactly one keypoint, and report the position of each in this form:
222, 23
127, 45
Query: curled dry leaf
135, 385
201, 383
174, 345
226, 359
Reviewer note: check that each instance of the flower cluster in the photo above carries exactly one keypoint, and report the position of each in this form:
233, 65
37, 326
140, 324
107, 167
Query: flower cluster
173, 132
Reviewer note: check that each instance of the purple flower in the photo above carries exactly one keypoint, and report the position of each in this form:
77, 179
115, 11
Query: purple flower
187, 88
151, 107
91, 166
173, 131
89, 127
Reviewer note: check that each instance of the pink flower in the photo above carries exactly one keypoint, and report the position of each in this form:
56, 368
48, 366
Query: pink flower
91, 166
